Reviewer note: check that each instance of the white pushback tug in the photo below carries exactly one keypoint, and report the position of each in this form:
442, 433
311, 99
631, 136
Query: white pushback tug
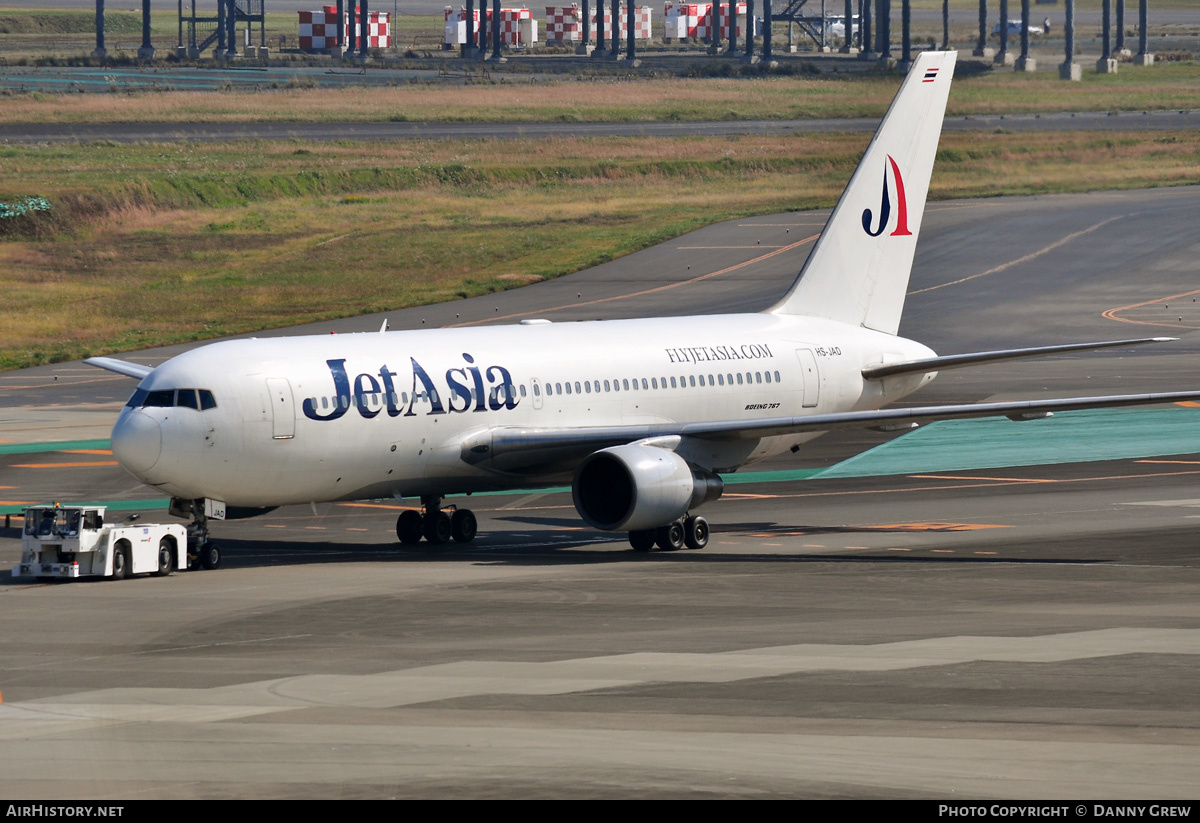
67, 542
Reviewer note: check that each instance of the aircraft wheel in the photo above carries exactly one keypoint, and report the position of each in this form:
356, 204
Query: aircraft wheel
121, 561
210, 556
437, 528
463, 526
642, 540
408, 527
166, 558
695, 532
669, 537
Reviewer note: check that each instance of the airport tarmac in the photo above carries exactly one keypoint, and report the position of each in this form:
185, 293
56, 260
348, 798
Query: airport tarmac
963, 612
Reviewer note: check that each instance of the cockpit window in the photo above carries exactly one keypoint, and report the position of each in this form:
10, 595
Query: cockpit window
201, 399
164, 397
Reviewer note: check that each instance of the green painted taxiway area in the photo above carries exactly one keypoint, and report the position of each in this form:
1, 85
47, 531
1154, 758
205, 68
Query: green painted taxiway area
957, 445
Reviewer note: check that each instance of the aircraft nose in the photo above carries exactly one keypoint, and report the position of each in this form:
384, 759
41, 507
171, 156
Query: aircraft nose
136, 441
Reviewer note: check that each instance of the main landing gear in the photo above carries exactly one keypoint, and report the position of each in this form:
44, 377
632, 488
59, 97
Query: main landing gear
435, 524
690, 531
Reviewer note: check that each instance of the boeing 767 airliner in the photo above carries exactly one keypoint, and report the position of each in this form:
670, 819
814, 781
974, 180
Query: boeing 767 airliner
642, 434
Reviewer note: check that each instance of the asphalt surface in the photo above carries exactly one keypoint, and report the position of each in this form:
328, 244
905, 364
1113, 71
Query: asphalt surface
1021, 631
1185, 119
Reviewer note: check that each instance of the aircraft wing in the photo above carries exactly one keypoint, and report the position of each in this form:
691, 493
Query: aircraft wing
958, 361
517, 449
120, 366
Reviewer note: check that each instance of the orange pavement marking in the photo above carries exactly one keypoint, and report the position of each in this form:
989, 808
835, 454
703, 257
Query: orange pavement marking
18, 502
86, 451
1178, 462
377, 506
942, 551
1031, 256
940, 527
977, 477
1191, 404
644, 292
64, 465
1111, 314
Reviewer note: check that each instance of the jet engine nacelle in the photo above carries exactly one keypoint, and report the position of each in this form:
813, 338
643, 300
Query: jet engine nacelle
639, 486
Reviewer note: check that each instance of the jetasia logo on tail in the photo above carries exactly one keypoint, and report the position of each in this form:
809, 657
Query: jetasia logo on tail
885, 206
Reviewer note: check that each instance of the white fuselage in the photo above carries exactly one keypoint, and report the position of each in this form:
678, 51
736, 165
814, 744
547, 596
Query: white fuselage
358, 416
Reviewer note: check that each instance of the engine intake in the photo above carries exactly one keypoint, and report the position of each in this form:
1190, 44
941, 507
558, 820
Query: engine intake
639, 486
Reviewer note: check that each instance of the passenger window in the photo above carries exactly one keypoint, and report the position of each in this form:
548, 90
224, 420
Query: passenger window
568, 388
693, 379
654, 382
577, 391
757, 377
587, 385
160, 399
768, 377
606, 385
777, 380
739, 378
645, 383
186, 398
721, 379
522, 389
625, 384
673, 383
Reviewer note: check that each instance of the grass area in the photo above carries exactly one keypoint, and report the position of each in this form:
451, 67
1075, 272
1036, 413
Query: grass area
607, 99
145, 245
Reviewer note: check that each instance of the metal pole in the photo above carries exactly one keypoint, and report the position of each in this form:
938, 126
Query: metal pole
885, 28
1000, 58
768, 22
587, 26
1120, 26
600, 39
614, 21
495, 29
630, 28
468, 46
347, 24
848, 34
865, 31
716, 37
732, 27
945, 25
905, 34
146, 52
981, 46
231, 22
364, 42
1024, 31
1142, 27
100, 52
220, 28
749, 29
1106, 22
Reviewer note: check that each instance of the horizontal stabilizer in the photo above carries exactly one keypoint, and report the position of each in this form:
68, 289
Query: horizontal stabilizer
120, 366
958, 361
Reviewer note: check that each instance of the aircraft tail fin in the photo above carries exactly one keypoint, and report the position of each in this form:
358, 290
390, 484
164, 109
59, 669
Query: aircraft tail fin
858, 270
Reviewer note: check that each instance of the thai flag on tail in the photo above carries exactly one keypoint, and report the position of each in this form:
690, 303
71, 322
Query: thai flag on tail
930, 75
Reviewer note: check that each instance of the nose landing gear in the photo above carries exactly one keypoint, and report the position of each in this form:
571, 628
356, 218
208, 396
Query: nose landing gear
436, 525
201, 550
